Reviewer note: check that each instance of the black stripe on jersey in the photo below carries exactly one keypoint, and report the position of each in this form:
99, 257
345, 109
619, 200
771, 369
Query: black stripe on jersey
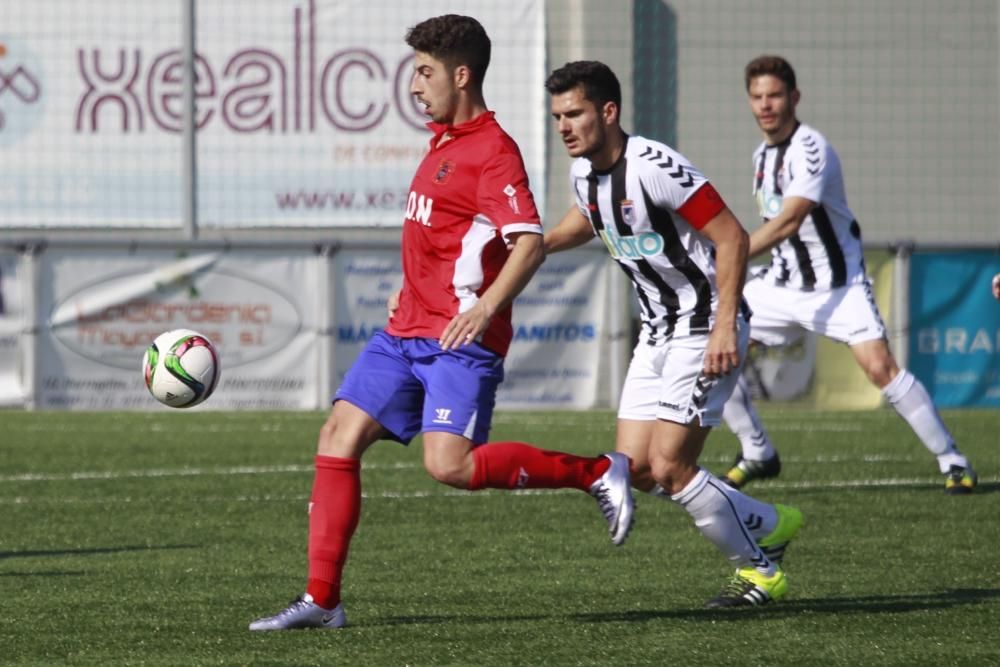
805, 262
618, 195
824, 228
781, 264
779, 160
663, 224
759, 176
595, 209
668, 297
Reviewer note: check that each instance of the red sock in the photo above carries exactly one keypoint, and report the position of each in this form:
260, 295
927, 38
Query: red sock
333, 516
516, 465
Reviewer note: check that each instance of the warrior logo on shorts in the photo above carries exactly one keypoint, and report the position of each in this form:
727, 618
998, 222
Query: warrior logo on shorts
442, 416
444, 172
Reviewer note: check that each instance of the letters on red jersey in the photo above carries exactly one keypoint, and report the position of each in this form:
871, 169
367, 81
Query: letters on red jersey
468, 196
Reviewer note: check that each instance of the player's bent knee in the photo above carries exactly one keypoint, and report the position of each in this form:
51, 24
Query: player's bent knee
336, 439
671, 474
882, 372
448, 472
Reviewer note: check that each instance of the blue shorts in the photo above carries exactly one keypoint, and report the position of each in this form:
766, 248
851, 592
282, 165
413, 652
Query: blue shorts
411, 386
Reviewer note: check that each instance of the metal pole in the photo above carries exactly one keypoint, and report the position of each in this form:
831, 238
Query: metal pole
900, 338
190, 154
32, 330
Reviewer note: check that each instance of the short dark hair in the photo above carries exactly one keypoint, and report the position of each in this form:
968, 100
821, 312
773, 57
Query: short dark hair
775, 66
454, 40
600, 85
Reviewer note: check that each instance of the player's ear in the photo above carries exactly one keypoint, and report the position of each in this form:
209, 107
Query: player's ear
609, 112
795, 97
462, 76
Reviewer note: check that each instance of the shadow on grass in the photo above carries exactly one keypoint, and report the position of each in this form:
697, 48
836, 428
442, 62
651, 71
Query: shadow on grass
94, 551
874, 604
870, 604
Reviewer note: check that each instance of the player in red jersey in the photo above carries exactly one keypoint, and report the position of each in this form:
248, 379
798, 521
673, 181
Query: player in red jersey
471, 241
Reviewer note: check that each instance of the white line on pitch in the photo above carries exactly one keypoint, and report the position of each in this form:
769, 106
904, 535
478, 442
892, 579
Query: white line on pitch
285, 469
454, 493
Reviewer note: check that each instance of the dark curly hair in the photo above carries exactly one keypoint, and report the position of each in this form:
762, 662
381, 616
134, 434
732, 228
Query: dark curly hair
454, 40
600, 85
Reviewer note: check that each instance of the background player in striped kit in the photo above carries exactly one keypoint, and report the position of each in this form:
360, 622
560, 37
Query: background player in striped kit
685, 254
816, 279
471, 241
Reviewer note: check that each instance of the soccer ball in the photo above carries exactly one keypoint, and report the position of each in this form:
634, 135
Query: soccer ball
181, 368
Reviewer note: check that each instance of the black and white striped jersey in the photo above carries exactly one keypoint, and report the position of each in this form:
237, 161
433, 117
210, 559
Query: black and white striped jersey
633, 207
826, 251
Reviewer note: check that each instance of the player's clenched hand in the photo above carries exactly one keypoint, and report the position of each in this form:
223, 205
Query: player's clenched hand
466, 327
722, 354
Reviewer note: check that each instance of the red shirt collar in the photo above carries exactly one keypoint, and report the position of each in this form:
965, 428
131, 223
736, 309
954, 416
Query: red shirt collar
468, 127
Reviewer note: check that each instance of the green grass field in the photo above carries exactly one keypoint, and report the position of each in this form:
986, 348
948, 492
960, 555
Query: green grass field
155, 538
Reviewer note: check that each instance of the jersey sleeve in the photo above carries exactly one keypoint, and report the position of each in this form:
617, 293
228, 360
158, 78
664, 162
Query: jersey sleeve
682, 188
808, 170
702, 206
504, 197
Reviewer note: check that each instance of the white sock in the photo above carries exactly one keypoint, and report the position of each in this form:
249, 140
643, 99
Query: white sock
717, 517
760, 518
909, 398
742, 419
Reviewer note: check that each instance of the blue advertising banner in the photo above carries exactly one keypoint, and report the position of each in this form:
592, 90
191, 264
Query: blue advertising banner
955, 327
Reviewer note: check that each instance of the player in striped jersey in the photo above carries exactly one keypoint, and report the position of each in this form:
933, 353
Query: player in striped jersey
816, 279
685, 254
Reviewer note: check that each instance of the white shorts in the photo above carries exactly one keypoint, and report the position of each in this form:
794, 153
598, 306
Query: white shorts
667, 381
780, 314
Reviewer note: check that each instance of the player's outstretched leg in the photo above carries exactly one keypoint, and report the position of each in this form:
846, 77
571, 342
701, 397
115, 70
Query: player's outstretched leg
301, 613
613, 491
518, 465
757, 458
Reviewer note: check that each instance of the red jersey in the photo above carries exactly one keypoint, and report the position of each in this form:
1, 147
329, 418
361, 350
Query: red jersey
467, 196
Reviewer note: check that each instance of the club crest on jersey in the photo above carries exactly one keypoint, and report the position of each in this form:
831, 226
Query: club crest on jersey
444, 172
511, 193
628, 212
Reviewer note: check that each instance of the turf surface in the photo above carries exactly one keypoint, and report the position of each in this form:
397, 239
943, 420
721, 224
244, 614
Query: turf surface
155, 538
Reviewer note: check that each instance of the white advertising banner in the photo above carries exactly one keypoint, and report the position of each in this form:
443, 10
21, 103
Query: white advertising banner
102, 308
363, 282
303, 109
11, 325
558, 325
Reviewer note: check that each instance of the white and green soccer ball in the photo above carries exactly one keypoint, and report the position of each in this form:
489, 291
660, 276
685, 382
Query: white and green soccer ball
181, 368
